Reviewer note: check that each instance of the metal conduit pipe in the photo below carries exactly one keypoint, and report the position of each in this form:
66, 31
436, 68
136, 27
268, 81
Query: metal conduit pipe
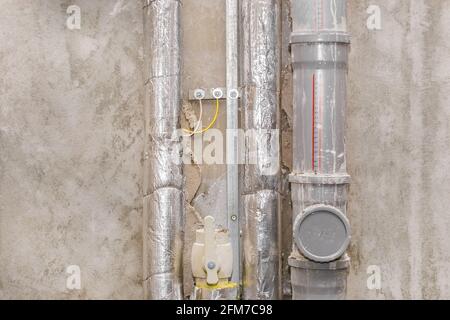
163, 170
321, 231
259, 23
232, 44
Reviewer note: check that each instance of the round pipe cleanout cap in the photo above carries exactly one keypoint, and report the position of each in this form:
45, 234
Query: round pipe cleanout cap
322, 233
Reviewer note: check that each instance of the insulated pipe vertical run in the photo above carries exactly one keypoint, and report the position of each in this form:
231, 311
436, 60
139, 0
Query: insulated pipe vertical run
163, 171
259, 78
320, 46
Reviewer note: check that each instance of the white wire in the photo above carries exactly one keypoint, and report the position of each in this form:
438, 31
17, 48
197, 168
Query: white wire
199, 122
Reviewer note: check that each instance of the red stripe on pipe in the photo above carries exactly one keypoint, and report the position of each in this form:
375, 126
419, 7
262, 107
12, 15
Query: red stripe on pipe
313, 121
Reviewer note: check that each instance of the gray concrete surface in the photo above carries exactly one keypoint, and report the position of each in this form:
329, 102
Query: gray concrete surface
203, 25
71, 140
398, 138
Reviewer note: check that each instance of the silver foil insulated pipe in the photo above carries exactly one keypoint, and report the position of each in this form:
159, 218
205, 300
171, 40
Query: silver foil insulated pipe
259, 24
163, 170
321, 231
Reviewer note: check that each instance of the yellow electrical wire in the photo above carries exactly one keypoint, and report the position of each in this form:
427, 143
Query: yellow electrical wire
213, 122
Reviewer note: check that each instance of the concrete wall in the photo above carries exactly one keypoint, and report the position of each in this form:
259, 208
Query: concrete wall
204, 66
71, 140
398, 138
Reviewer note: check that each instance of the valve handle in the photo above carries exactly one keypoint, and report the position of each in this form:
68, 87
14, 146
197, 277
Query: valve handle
211, 266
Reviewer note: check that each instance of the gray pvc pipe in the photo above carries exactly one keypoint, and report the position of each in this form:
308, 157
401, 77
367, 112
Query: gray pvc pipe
320, 46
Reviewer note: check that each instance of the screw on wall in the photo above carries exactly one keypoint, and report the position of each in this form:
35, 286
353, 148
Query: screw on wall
199, 94
233, 94
213, 94
217, 93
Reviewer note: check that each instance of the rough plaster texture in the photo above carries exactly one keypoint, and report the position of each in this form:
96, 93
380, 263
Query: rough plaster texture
71, 147
71, 140
286, 126
398, 136
203, 25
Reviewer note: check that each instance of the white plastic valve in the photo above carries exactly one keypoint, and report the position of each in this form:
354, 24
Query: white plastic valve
212, 254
